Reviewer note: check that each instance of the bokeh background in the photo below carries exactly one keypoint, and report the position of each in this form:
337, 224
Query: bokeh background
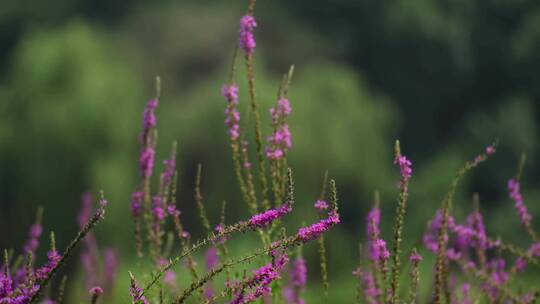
445, 77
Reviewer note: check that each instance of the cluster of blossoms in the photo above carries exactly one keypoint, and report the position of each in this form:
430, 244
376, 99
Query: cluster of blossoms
373, 232
515, 195
313, 231
261, 280
247, 39
146, 158
264, 219
321, 205
405, 169
212, 260
280, 141
136, 292
136, 203
467, 236
297, 281
230, 92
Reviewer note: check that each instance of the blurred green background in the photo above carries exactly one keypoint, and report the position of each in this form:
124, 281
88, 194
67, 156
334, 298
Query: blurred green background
445, 77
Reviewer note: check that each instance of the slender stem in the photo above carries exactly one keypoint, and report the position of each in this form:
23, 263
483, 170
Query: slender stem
67, 253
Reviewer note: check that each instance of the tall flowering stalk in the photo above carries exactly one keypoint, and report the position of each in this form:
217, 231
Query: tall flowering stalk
514, 192
247, 44
239, 148
280, 141
405, 168
141, 199
440, 273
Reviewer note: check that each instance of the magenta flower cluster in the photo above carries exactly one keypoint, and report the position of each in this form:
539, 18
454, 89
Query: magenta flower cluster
519, 205
230, 92
262, 279
247, 39
321, 205
405, 169
136, 293
264, 219
313, 231
281, 140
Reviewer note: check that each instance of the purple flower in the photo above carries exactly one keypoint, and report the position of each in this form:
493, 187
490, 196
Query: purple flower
515, 195
146, 161
306, 234
405, 169
521, 262
157, 209
415, 258
383, 253
476, 222
170, 167
136, 292
247, 39
299, 273
465, 292
33, 238
298, 278
169, 278
321, 205
230, 92
498, 277
432, 234
53, 259
281, 140
212, 261
95, 290
149, 118
136, 203
264, 219
262, 279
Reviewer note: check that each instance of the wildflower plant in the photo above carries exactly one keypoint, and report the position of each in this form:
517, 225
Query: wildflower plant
470, 266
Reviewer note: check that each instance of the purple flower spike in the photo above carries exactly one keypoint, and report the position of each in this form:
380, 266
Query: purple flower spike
264, 219
230, 92
170, 167
281, 139
136, 292
157, 209
149, 118
146, 161
247, 39
373, 223
383, 253
405, 169
515, 195
312, 232
370, 287
299, 273
136, 203
262, 279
